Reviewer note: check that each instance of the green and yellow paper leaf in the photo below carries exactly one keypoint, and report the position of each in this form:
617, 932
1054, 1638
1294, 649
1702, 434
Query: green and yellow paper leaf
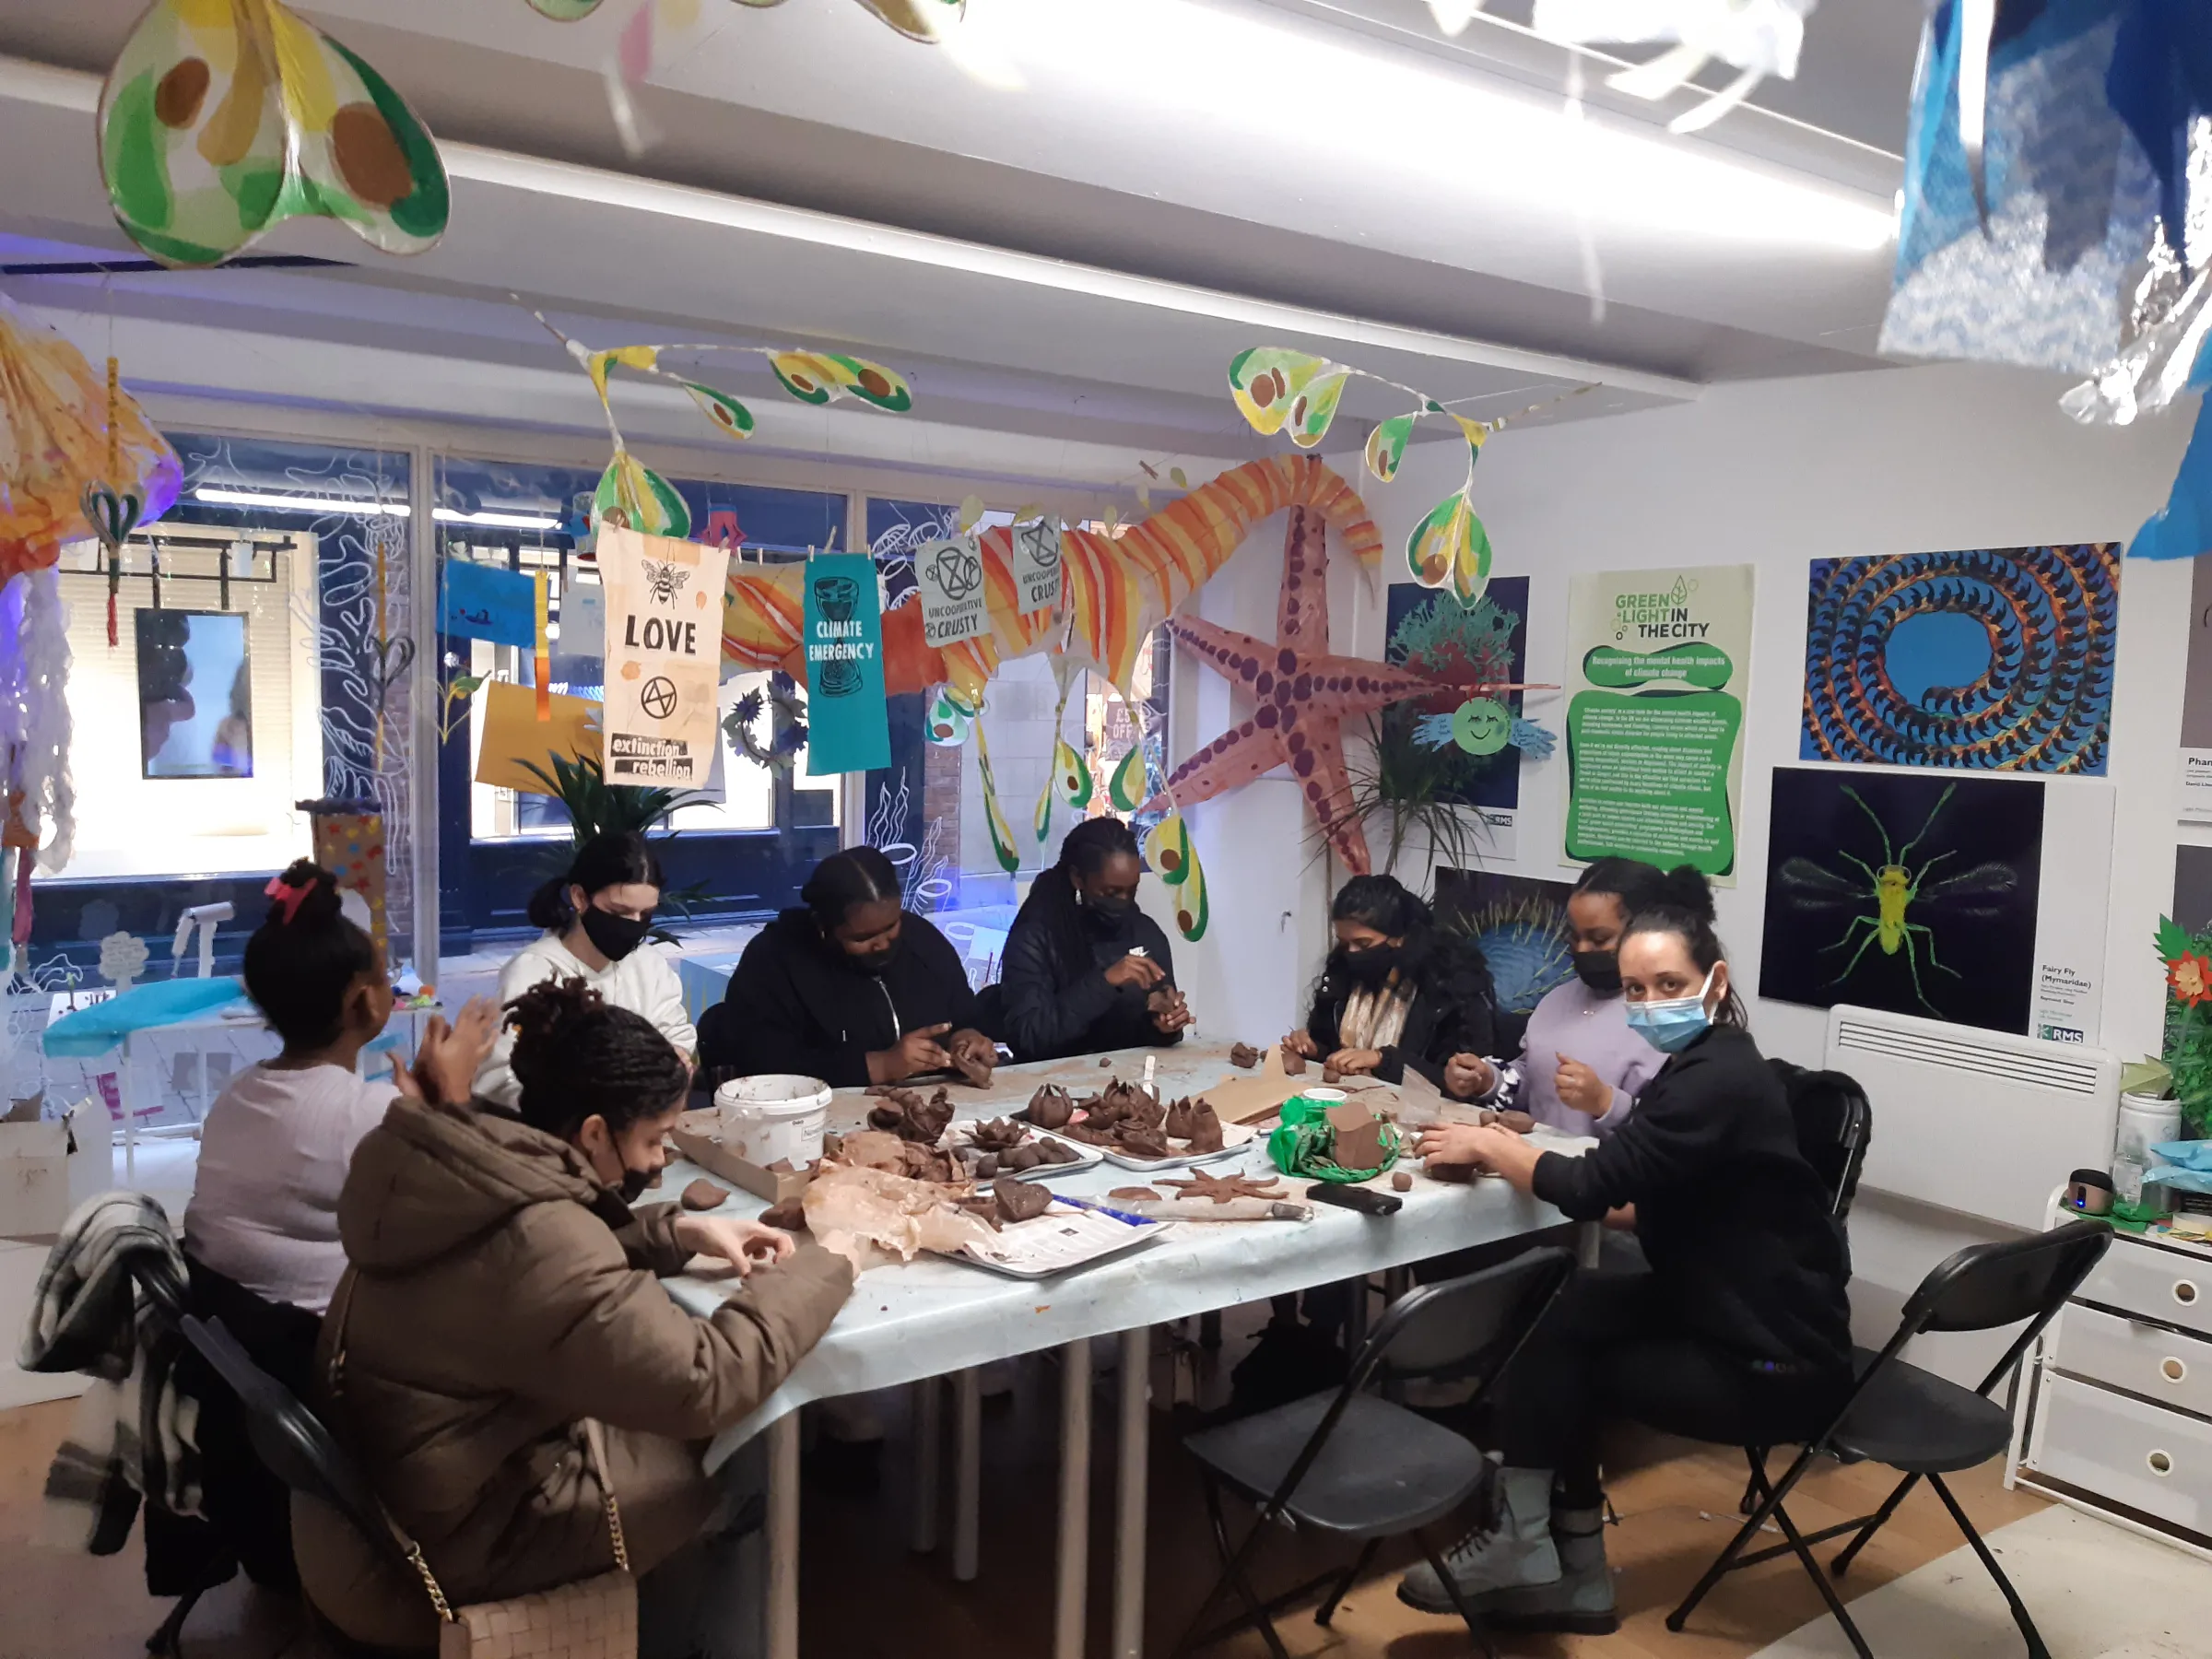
1125, 788
645, 359
1276, 387
816, 377
1192, 910
950, 720
634, 497
925, 20
730, 417
1386, 446
1002, 832
1451, 548
565, 11
1071, 775
224, 117
1477, 434
1041, 820
1168, 849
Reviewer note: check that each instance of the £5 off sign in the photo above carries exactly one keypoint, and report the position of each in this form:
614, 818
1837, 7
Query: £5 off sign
664, 656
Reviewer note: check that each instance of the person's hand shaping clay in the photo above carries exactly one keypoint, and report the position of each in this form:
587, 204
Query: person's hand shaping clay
1582, 1089
1469, 1076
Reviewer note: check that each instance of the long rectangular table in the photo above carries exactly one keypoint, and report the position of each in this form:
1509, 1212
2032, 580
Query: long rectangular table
931, 1317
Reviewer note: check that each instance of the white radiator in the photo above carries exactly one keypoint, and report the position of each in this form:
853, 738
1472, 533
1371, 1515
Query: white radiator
1973, 1121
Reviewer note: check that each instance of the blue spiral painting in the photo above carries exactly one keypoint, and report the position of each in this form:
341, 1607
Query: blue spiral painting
1990, 659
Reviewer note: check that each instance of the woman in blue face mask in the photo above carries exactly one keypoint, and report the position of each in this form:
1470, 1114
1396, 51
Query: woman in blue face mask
1739, 1332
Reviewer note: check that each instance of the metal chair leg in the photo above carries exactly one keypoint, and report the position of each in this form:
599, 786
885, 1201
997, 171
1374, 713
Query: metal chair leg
1232, 1577
1744, 1534
2036, 1649
1756, 1487
1480, 1636
1327, 1610
167, 1639
1820, 1583
1875, 1523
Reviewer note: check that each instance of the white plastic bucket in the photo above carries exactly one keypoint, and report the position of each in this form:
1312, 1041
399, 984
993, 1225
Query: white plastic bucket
775, 1116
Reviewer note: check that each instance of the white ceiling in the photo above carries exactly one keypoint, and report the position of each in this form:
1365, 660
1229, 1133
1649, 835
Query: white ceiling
1070, 264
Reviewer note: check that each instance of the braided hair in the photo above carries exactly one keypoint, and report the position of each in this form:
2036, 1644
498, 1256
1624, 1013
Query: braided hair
1052, 902
1683, 907
577, 1057
844, 881
304, 959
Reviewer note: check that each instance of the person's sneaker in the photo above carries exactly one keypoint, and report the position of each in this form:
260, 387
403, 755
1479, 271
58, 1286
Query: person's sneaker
1516, 1552
1579, 1603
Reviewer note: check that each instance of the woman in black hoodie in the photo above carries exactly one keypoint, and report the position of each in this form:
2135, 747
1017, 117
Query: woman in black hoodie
1399, 993
1740, 1333
852, 988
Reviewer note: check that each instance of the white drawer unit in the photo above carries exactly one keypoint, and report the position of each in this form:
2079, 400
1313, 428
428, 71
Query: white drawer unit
2116, 1403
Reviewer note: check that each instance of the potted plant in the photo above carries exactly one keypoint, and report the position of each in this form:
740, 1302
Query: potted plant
2185, 1059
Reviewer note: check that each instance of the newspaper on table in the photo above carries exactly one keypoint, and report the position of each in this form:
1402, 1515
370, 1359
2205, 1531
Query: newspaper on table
1061, 1239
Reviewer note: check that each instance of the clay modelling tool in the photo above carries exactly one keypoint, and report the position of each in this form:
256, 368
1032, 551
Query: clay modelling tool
1366, 1202
1234, 1210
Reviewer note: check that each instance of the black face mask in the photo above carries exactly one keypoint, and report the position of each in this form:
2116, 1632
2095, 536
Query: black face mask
1110, 913
876, 963
613, 936
1371, 967
1599, 969
634, 1183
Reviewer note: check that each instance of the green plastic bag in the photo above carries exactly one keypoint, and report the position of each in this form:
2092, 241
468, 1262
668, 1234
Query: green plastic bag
1304, 1145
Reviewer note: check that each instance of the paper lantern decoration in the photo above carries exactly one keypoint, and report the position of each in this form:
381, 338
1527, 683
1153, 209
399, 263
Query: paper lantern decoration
53, 443
224, 117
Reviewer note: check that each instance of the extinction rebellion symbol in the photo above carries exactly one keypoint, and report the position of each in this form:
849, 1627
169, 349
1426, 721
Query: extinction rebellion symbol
658, 697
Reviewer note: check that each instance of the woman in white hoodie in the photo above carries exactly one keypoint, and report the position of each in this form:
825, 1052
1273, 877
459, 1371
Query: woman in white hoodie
595, 919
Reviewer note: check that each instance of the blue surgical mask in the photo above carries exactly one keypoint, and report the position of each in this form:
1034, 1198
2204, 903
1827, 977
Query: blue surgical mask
1672, 1024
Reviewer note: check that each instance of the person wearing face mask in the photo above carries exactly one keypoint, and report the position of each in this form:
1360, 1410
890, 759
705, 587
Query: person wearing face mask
1399, 993
1581, 1065
849, 987
1083, 968
500, 1292
595, 919
1738, 1331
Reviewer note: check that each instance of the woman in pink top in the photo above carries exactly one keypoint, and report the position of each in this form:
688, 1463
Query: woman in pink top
1581, 1065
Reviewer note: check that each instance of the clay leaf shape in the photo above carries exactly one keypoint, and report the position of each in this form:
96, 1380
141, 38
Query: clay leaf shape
1168, 849
634, 497
224, 117
1125, 787
816, 377
1277, 389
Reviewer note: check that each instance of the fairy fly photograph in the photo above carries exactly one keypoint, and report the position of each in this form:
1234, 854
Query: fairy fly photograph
1914, 893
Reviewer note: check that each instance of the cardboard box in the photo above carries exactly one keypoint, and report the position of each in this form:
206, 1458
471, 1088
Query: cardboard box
42, 1180
698, 1136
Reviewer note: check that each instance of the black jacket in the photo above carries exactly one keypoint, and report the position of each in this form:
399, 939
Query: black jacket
1733, 1221
796, 1003
1454, 1012
1055, 1008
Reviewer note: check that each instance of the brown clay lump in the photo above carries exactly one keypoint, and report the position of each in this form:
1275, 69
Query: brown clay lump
1401, 1183
1019, 1200
1050, 1108
1294, 1063
701, 1196
1243, 1057
1134, 1194
789, 1215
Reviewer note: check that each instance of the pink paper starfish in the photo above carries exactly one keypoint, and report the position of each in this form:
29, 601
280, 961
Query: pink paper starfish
1304, 694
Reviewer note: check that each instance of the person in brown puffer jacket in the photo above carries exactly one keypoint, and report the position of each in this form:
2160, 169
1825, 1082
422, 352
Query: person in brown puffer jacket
502, 1290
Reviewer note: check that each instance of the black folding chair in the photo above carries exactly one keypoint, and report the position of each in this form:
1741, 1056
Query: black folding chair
1835, 1126
1921, 1425
1351, 1464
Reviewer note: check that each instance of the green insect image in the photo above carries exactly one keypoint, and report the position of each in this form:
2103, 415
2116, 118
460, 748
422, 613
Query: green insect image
1896, 905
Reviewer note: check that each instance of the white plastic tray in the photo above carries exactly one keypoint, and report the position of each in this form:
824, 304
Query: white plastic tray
1086, 1158
1235, 1139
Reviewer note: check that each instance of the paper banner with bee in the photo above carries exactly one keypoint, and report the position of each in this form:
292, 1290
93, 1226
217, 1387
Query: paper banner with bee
663, 657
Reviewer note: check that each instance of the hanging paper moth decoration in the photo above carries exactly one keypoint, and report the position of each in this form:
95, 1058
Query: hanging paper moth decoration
55, 424
928, 21
633, 496
224, 117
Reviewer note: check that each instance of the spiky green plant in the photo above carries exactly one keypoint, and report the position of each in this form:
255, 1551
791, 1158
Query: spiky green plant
1397, 778
597, 807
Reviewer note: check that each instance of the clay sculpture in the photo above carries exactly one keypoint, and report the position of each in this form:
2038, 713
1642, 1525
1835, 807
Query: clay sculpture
906, 1114
1019, 1200
974, 1062
1138, 1141
999, 1135
1193, 1120
1294, 1063
1243, 1057
701, 1196
1220, 1189
1050, 1108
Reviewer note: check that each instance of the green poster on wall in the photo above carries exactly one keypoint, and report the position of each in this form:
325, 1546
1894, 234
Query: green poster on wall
1657, 664
848, 725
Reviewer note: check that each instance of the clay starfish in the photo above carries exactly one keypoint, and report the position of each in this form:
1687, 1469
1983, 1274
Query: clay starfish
1305, 695
1222, 1188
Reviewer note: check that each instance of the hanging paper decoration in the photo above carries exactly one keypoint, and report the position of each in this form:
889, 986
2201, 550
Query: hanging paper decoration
631, 496
37, 801
928, 21
1071, 775
788, 728
1118, 589
1483, 725
1192, 910
1002, 832
950, 719
54, 426
224, 117
1305, 694
1276, 388
1125, 787
1168, 848
1758, 37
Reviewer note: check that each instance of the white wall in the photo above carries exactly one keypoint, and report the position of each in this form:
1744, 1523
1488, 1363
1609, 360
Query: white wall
1777, 474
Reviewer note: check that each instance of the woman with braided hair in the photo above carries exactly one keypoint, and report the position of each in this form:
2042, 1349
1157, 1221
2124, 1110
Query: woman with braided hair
1085, 969
502, 1290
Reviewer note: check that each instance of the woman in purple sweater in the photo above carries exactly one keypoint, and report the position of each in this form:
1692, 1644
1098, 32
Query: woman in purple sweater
1581, 1065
